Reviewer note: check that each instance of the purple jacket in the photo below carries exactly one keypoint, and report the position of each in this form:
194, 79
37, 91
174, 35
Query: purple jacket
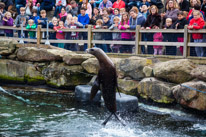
8, 23
125, 35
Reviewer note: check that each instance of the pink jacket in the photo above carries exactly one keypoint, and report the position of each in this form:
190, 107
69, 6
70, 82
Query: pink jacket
157, 37
125, 35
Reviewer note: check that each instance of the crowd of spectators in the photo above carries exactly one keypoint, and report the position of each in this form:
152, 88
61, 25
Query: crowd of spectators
108, 14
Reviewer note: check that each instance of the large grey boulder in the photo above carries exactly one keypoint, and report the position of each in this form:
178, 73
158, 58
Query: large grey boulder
19, 72
175, 71
156, 90
199, 72
7, 46
188, 95
62, 75
35, 54
76, 59
91, 65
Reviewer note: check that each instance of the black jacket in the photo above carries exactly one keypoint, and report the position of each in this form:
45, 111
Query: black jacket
181, 25
107, 35
184, 6
153, 20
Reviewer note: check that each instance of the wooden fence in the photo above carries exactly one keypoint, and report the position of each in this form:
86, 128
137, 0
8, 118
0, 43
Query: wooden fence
137, 42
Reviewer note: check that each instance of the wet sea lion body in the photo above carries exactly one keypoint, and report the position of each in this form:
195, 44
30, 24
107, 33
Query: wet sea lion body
106, 81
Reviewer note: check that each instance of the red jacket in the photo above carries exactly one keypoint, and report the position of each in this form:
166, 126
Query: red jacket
197, 24
59, 35
119, 5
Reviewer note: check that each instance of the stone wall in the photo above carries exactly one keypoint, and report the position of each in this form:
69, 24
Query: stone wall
162, 82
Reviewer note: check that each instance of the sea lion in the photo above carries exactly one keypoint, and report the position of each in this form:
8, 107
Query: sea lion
106, 81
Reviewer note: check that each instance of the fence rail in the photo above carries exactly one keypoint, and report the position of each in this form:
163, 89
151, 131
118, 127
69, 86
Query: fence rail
137, 42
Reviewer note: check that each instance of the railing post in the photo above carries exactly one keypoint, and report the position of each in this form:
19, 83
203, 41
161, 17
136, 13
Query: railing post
185, 42
89, 42
38, 34
137, 39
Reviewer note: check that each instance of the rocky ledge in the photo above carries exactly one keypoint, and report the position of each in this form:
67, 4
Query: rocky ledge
175, 81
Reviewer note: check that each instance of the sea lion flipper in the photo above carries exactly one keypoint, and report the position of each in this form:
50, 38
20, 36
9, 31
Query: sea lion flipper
94, 89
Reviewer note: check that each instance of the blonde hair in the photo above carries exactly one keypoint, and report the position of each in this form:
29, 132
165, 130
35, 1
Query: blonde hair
153, 6
7, 13
54, 19
196, 12
168, 20
198, 2
22, 9
122, 10
99, 21
116, 18
31, 21
176, 6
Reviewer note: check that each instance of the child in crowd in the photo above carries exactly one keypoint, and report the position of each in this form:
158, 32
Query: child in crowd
157, 37
169, 37
144, 11
116, 36
74, 24
197, 23
68, 34
43, 21
107, 35
59, 4
35, 17
31, 25
144, 2
63, 15
52, 35
60, 35
179, 24
72, 9
106, 12
125, 35
8, 21
116, 13
21, 19
99, 35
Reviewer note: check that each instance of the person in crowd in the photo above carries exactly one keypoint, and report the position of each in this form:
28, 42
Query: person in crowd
52, 35
29, 8
193, 2
190, 14
88, 7
60, 35
179, 24
118, 4
197, 23
184, 5
47, 5
172, 10
68, 34
157, 37
72, 9
169, 37
2, 5
59, 4
43, 21
8, 21
107, 35
116, 13
74, 24
99, 35
106, 12
21, 19
105, 4
145, 11
31, 25
83, 18
95, 3
125, 36
35, 17
96, 15
144, 2
19, 4
116, 36
203, 6
62, 15
153, 21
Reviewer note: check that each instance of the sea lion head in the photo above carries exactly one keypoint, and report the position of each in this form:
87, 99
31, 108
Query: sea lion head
95, 51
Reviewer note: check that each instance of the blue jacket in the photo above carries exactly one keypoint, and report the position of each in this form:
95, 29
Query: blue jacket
35, 18
52, 35
23, 2
107, 35
140, 20
83, 19
43, 22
